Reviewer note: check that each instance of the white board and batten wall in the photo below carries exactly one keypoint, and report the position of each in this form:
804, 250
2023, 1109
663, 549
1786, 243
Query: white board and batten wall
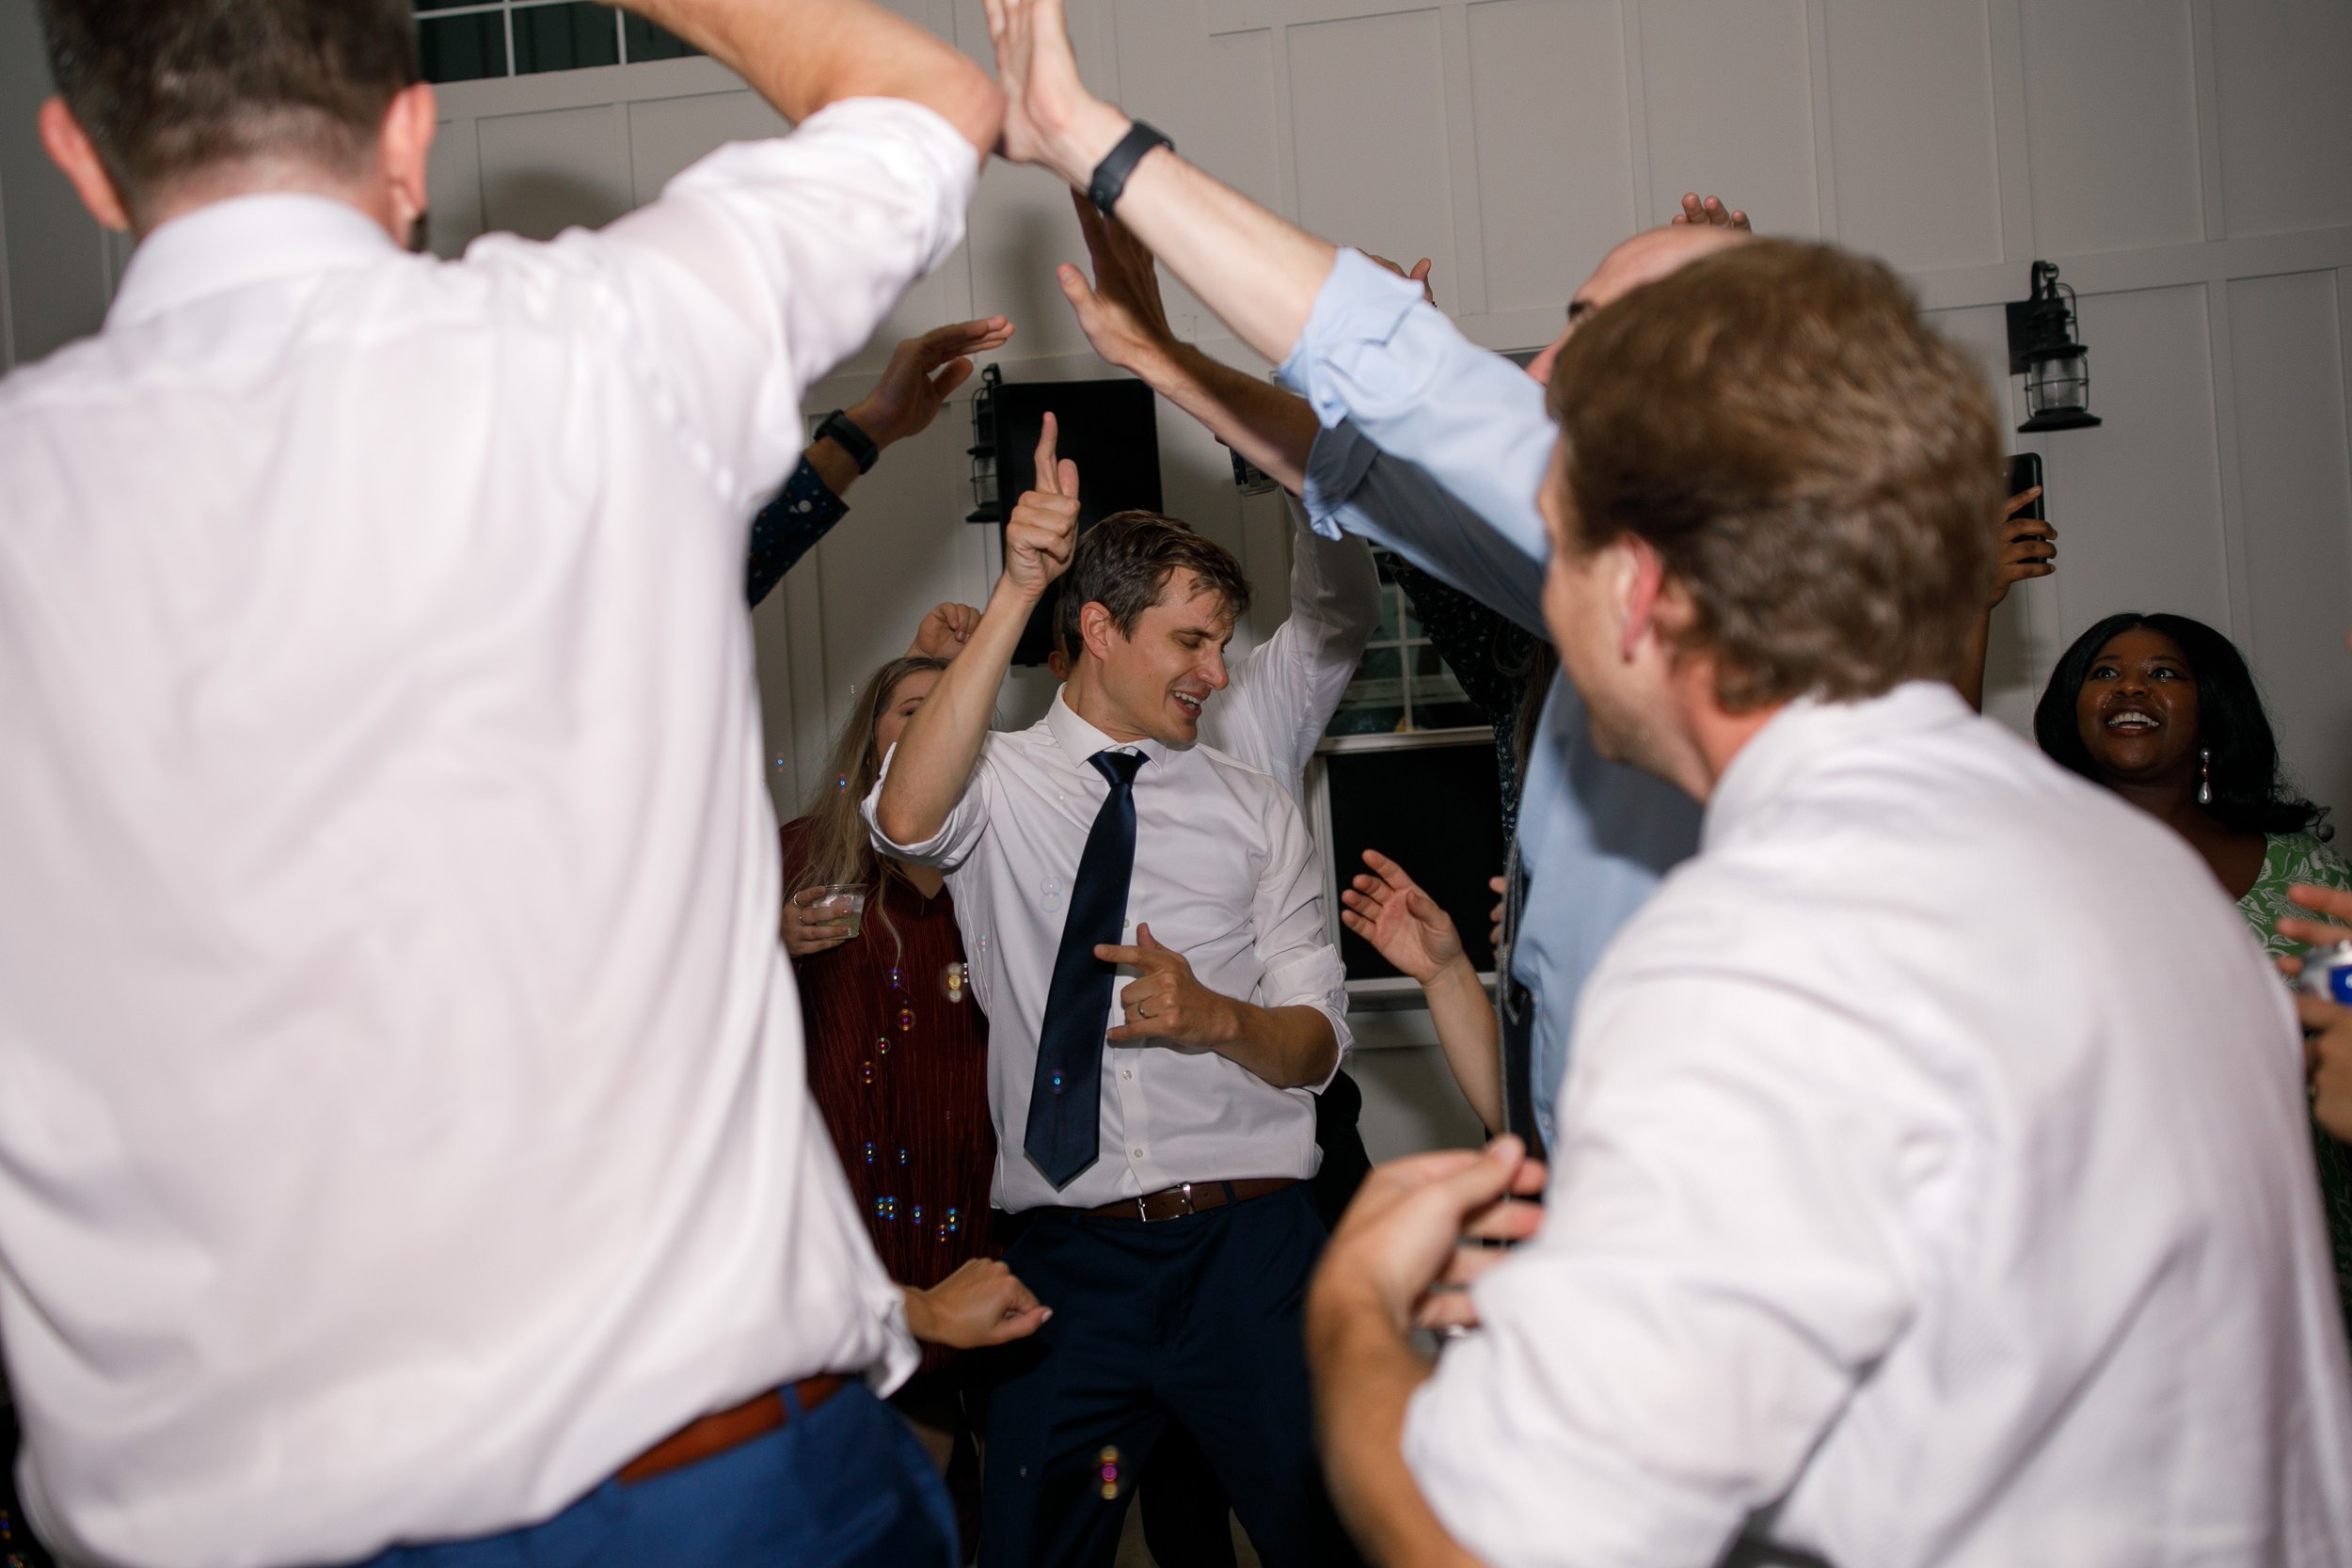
2187, 163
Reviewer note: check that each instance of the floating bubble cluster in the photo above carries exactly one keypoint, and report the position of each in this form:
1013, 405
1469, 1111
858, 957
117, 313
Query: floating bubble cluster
1108, 1467
865, 1070
886, 1208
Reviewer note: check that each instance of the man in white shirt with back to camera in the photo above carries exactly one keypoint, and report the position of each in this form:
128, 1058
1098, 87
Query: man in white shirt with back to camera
404, 1134
1155, 1161
1932, 1186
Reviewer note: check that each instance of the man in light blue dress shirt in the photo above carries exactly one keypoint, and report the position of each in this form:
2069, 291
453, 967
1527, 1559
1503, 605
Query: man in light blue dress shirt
1434, 448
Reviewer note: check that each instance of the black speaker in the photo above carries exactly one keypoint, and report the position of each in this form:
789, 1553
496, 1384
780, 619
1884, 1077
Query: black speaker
1106, 427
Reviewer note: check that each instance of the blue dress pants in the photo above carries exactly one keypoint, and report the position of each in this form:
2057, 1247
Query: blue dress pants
1196, 1321
843, 1486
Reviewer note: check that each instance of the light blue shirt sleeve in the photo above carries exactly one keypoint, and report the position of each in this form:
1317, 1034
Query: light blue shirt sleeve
1377, 356
1354, 486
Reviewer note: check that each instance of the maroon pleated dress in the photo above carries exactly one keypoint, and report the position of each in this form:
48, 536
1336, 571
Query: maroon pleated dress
897, 1061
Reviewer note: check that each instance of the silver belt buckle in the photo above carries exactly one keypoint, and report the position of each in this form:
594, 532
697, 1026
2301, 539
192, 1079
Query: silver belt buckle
1143, 1211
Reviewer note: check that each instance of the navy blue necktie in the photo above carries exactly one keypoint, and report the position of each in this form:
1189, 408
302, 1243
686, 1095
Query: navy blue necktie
1063, 1137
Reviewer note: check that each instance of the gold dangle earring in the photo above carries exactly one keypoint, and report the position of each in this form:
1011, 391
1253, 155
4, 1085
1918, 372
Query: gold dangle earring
2205, 775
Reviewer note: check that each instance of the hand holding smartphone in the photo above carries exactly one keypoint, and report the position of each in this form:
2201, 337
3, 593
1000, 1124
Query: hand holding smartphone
2025, 473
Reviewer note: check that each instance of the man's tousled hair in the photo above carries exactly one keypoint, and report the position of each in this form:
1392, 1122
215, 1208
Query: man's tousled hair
1124, 561
167, 88
1813, 464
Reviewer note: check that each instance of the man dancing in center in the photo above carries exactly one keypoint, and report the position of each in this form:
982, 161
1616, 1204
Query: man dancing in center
1155, 1158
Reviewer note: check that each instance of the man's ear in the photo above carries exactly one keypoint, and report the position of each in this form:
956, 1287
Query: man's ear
1096, 629
404, 151
68, 147
1639, 583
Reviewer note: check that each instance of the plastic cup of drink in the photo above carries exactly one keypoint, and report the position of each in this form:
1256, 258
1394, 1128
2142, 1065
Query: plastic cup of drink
841, 904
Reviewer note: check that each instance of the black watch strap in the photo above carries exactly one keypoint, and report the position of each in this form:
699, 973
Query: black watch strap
1110, 175
850, 438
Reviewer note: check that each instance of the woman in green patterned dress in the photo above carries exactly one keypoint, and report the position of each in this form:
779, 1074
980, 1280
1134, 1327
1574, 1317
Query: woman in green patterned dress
2162, 710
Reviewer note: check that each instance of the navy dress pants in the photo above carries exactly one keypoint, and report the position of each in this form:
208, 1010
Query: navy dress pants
1195, 1321
845, 1485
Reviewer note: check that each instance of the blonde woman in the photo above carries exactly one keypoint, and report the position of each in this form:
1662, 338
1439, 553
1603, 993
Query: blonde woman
897, 1057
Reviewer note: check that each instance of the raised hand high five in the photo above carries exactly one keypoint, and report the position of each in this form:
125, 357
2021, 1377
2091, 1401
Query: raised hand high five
1050, 117
1120, 313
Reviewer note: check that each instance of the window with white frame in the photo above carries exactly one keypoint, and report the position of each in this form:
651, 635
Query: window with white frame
463, 40
1408, 767
1402, 686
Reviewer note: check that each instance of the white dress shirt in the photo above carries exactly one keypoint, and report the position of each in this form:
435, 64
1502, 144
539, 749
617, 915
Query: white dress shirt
1224, 874
403, 1120
1272, 713
1934, 1166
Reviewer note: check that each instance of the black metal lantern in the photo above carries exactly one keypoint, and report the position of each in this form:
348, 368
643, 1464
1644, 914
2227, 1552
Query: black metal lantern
2042, 348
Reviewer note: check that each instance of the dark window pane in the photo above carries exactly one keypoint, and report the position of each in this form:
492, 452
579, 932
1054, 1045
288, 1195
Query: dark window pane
645, 41
563, 38
1437, 812
460, 48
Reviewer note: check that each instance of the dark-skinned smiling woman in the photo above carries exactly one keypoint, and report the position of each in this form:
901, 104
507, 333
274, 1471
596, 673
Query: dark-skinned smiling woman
2162, 710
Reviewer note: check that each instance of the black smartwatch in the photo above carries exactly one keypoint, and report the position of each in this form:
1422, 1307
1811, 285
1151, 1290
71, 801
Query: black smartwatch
1110, 175
850, 438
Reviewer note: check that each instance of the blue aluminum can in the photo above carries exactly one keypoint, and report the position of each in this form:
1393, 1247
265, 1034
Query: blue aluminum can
2327, 972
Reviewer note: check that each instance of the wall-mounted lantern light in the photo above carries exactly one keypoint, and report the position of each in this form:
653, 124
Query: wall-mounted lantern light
2042, 348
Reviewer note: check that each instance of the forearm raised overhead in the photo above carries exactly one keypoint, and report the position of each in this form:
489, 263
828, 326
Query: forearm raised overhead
1256, 271
802, 55
934, 758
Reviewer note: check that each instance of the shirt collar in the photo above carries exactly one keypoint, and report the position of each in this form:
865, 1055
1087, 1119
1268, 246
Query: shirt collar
1810, 730
241, 242
1079, 740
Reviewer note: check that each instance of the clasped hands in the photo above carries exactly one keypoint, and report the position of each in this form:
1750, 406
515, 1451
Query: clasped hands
1421, 1228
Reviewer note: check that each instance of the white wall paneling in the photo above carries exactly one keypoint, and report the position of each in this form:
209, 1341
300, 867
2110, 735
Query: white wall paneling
1729, 103
2285, 119
2141, 524
1368, 117
1913, 129
2184, 161
1547, 86
2111, 106
2295, 488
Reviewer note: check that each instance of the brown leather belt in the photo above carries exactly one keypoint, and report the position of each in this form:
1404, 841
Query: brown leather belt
1193, 1197
722, 1430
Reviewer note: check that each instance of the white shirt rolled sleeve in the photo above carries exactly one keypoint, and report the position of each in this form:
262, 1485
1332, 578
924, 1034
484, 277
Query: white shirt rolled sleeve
1284, 691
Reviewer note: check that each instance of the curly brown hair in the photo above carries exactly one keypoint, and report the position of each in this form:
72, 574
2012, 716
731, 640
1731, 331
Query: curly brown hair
1813, 464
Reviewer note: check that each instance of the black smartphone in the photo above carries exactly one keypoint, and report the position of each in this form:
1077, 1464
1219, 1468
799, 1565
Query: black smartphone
2024, 472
